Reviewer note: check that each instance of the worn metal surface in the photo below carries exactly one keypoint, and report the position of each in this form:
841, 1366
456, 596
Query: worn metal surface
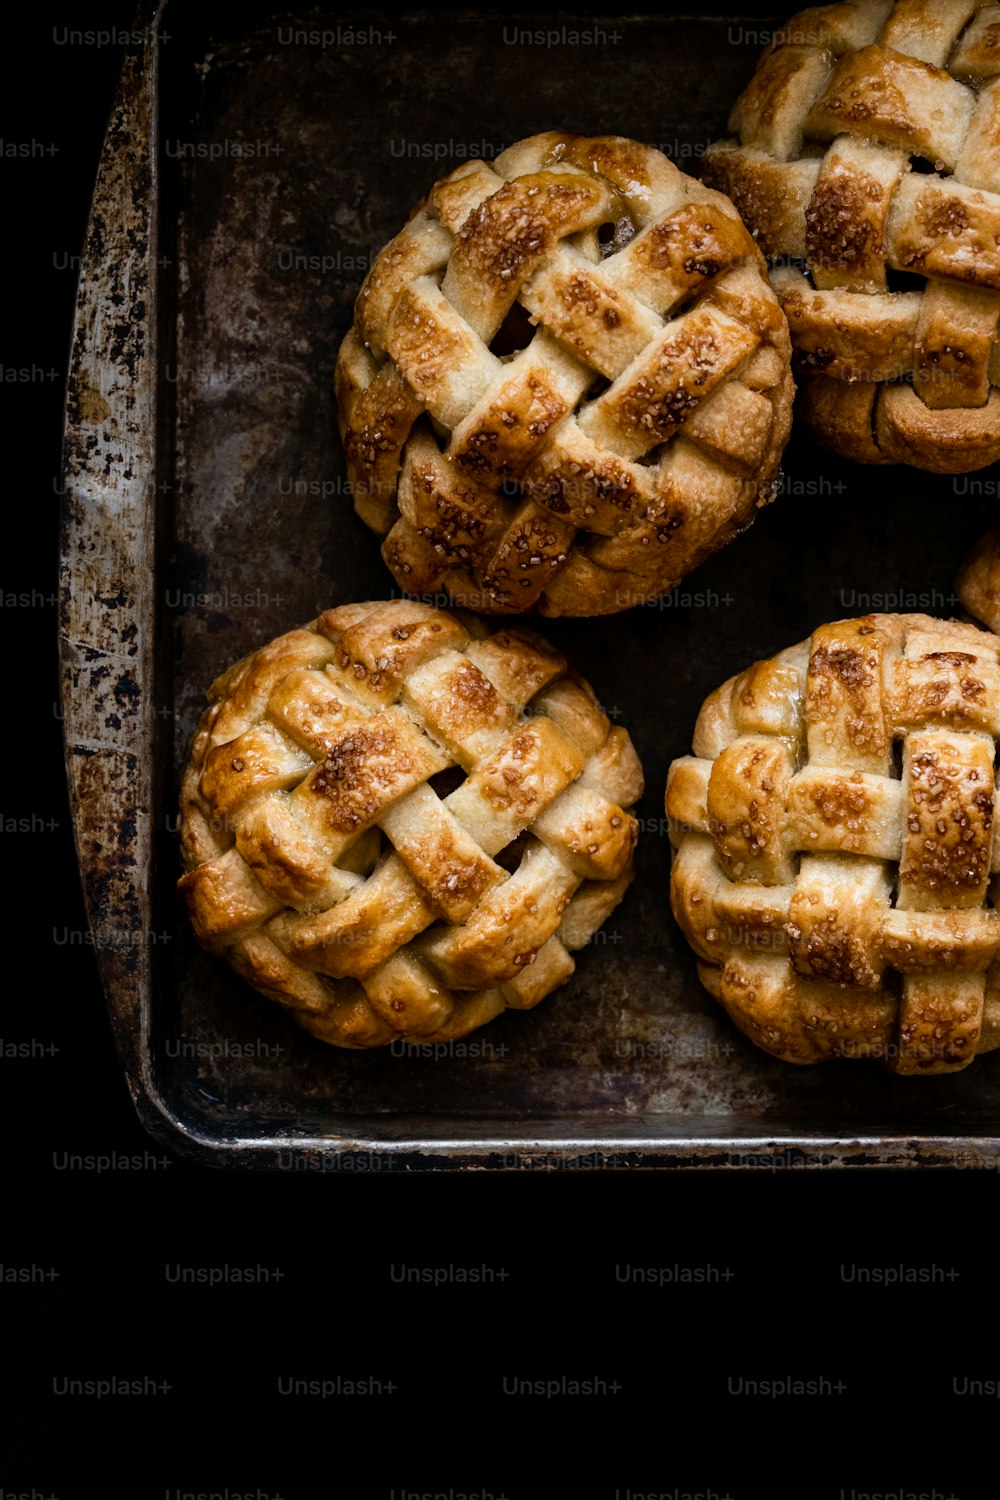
284, 167
108, 558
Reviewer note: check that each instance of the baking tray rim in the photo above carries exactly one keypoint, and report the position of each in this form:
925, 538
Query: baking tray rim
119, 498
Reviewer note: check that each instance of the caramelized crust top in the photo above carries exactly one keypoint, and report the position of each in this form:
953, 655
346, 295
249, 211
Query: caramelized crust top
865, 158
837, 862
397, 824
567, 381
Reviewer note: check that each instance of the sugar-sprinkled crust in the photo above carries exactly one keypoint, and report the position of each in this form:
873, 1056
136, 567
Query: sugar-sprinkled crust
325, 864
867, 144
836, 864
636, 425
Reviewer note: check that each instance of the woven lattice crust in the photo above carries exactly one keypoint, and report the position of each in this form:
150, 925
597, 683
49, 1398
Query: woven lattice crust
866, 150
836, 863
327, 862
639, 427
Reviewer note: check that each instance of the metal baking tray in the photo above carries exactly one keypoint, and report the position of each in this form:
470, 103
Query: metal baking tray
254, 164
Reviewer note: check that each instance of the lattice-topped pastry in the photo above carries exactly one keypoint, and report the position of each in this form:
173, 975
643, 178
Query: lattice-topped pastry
398, 825
567, 382
836, 865
867, 152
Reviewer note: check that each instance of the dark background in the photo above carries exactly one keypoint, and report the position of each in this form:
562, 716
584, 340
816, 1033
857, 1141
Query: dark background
87, 1255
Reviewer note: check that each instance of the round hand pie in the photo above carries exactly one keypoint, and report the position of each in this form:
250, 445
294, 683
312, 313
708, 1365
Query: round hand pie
567, 382
835, 866
868, 150
397, 826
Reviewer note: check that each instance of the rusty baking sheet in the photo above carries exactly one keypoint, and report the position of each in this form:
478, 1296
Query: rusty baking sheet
252, 169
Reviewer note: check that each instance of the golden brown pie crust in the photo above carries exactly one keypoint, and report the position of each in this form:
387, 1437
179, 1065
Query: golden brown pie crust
324, 863
866, 149
634, 426
836, 863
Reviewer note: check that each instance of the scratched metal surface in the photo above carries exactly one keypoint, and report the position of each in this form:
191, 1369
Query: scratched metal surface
283, 168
